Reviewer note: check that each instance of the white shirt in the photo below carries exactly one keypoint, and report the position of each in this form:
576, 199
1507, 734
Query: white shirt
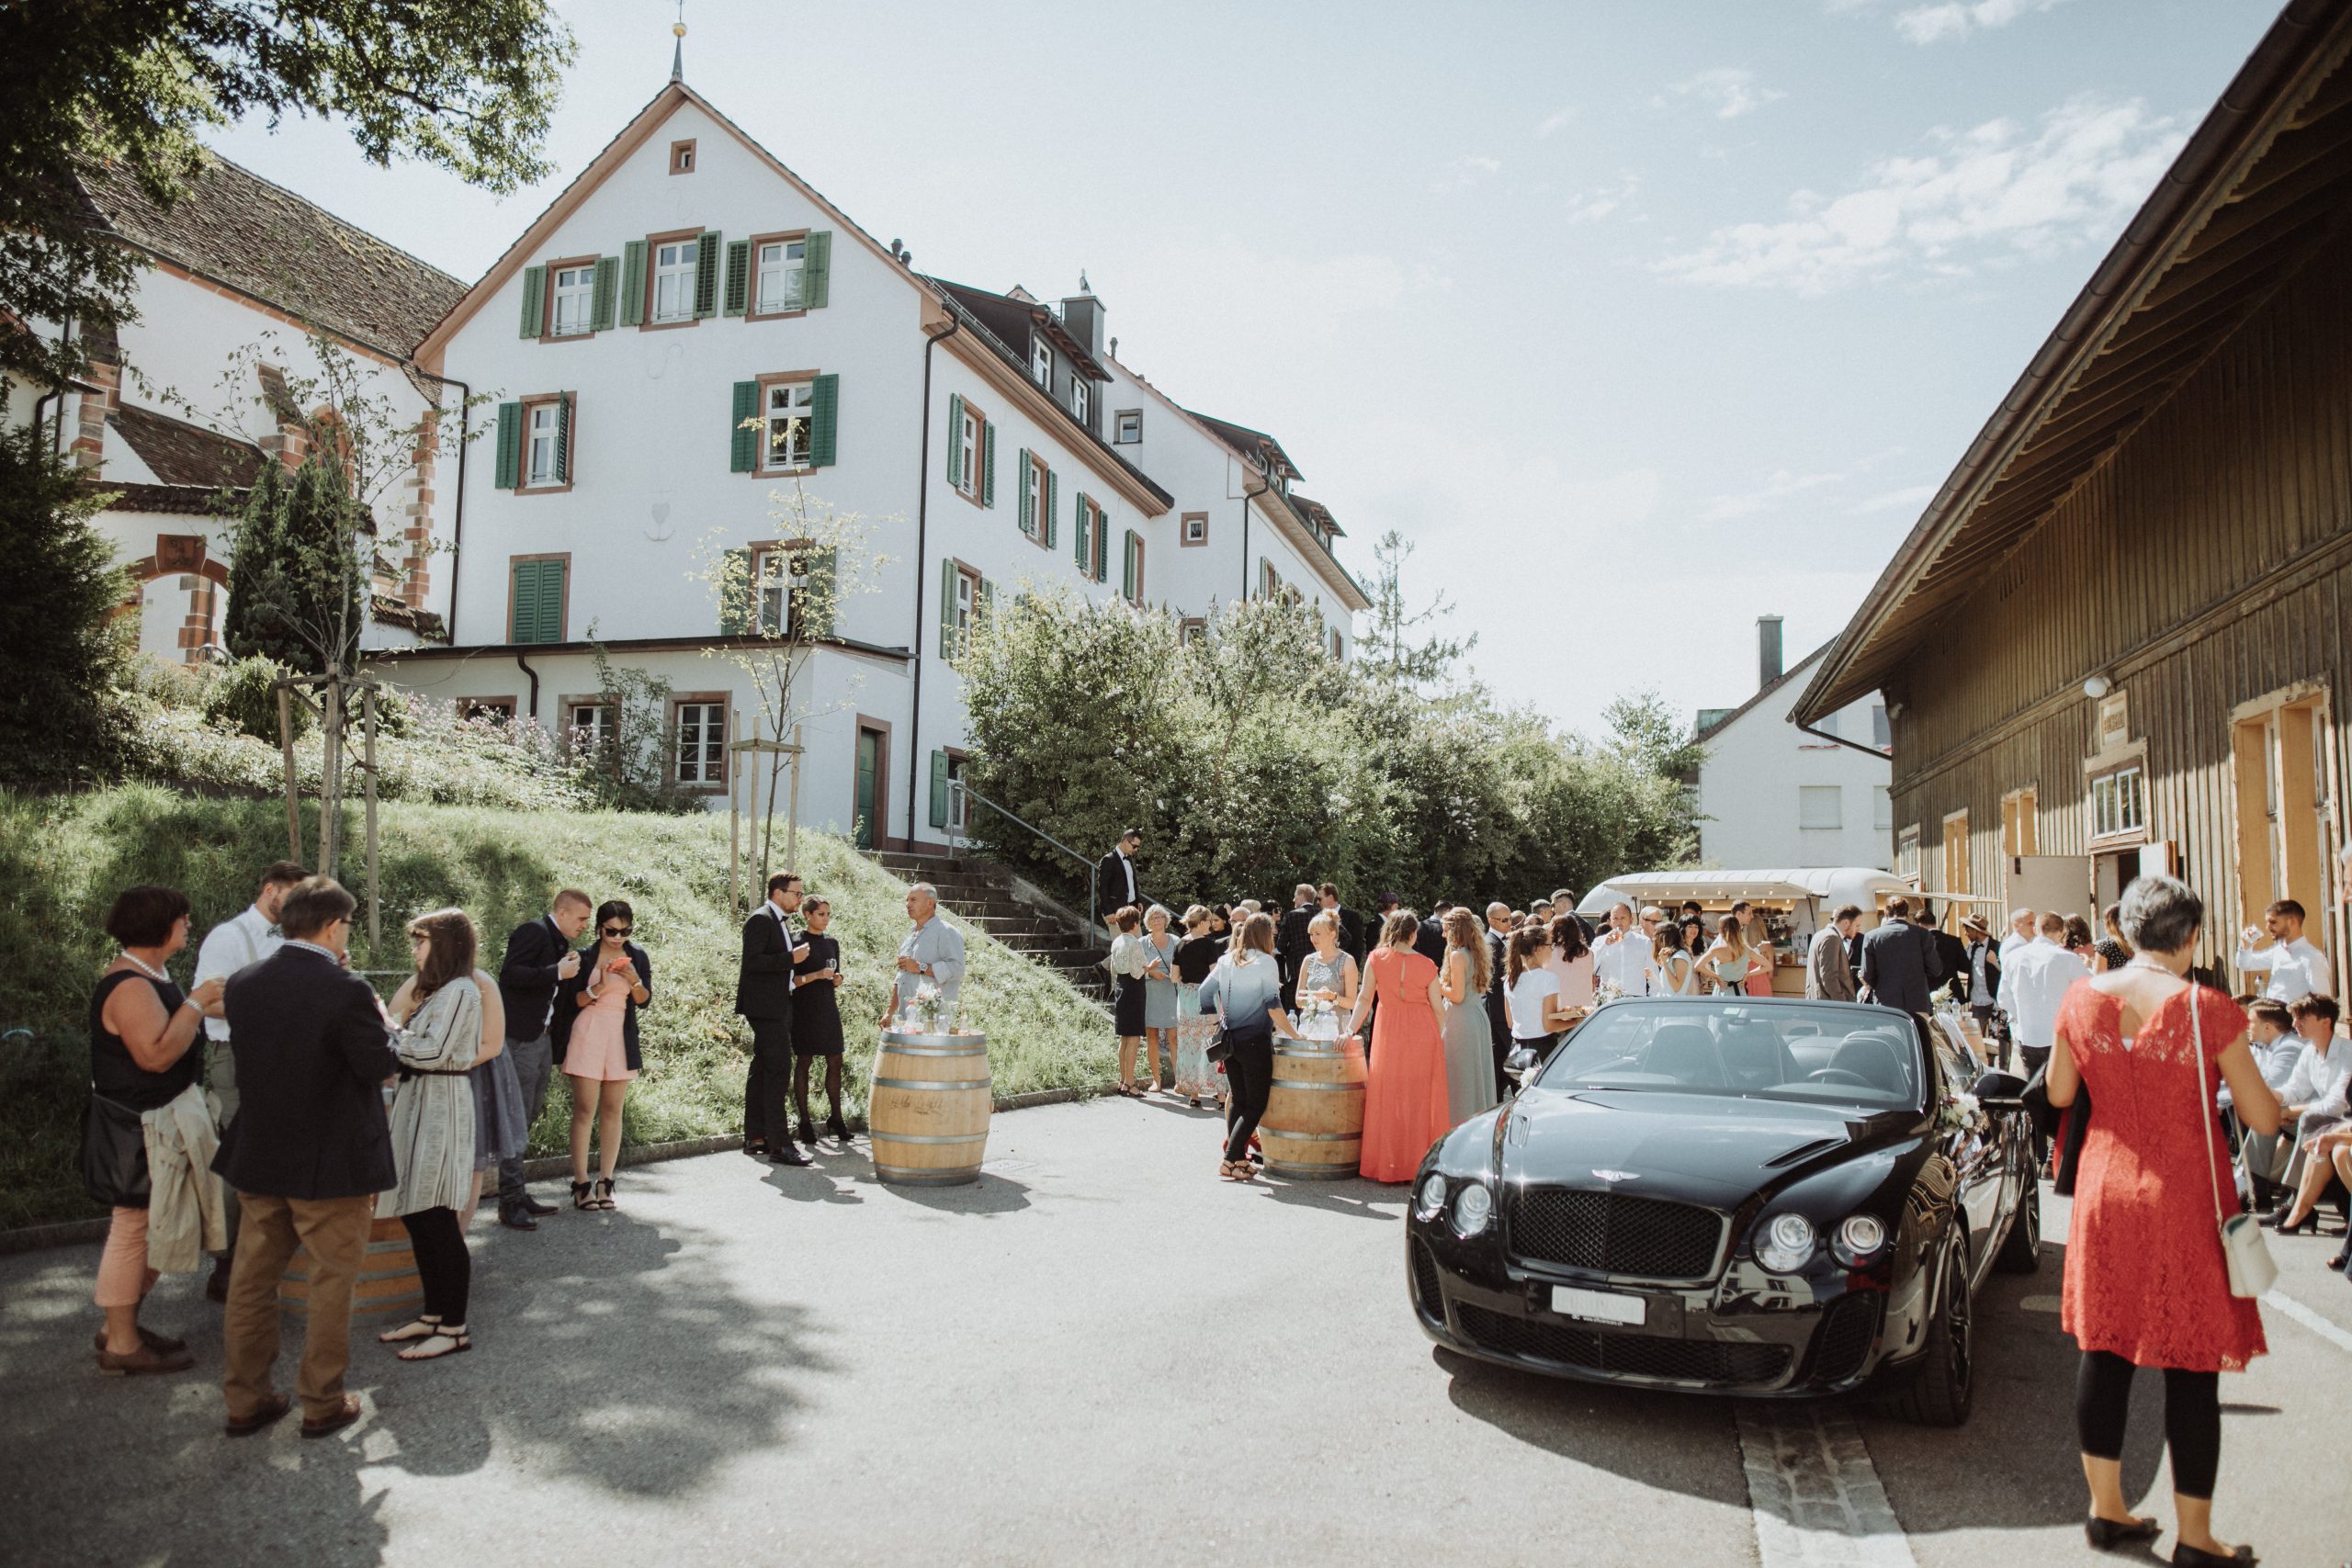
2319, 1081
229, 947
2274, 1061
1628, 961
1526, 996
784, 923
2296, 968
2010, 945
2033, 983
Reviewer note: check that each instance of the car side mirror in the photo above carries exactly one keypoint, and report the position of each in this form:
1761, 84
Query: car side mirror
1998, 1091
1519, 1066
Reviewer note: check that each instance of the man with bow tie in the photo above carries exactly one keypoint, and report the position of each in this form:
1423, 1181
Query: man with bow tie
230, 946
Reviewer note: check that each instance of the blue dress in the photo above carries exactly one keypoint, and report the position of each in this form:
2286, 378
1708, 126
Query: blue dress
1160, 1010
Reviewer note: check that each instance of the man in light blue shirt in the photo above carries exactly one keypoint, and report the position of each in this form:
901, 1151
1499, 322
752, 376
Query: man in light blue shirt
934, 951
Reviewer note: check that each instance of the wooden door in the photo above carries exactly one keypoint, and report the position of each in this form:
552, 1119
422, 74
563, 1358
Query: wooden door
869, 787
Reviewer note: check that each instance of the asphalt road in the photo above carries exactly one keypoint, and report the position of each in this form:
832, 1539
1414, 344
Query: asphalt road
1099, 1354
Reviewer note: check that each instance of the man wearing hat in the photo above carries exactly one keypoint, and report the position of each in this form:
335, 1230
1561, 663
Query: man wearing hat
1984, 984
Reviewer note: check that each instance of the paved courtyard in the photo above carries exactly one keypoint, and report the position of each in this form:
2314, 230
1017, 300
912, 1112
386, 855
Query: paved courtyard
1098, 1355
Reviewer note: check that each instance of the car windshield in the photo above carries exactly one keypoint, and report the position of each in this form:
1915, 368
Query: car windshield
1830, 1055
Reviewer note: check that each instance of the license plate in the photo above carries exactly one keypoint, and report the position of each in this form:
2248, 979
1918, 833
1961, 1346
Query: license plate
1599, 1306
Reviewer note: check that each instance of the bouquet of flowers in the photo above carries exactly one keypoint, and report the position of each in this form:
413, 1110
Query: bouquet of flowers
1317, 1019
1607, 991
922, 1013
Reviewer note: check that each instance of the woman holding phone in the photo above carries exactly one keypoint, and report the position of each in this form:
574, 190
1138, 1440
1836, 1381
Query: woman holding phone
596, 1008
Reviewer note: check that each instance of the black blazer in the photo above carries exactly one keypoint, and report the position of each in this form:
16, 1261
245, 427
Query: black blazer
1111, 893
527, 978
1498, 1019
567, 1003
313, 1053
1291, 943
1351, 933
763, 983
1952, 954
1430, 941
1900, 964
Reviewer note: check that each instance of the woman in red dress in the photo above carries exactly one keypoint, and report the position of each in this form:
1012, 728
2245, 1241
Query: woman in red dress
1403, 1095
2146, 1282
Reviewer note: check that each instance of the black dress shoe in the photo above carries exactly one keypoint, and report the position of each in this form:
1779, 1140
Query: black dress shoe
516, 1220
2308, 1224
788, 1155
2109, 1534
531, 1205
2186, 1556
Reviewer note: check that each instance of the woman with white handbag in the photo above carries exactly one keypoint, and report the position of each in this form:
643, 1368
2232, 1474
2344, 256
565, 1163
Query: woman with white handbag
2162, 1266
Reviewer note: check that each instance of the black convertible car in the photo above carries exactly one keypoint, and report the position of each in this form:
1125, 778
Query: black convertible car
1733, 1195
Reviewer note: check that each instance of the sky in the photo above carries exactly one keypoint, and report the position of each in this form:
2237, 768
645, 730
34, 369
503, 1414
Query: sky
1638, 319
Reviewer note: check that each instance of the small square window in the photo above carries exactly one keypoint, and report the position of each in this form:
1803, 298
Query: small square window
1197, 528
682, 157
1128, 430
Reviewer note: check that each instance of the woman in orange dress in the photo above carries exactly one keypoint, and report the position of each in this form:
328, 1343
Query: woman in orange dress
1405, 1097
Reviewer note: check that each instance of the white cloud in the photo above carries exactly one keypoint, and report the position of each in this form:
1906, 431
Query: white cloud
1556, 120
1591, 206
1730, 91
1469, 170
1957, 18
1909, 497
1778, 487
1982, 198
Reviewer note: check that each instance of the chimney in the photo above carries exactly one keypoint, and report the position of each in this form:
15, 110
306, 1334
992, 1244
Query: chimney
1082, 315
1767, 651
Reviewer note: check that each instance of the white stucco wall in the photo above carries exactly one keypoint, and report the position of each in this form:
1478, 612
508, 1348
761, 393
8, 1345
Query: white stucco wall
1750, 790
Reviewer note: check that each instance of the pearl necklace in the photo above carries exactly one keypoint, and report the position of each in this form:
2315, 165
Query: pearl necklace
158, 976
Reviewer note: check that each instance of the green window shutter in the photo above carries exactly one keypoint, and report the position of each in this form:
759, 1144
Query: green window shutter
987, 464
608, 288
820, 595
1029, 522
1102, 543
737, 594
633, 282
956, 439
739, 276
743, 453
1053, 527
939, 789
522, 601
539, 602
563, 439
985, 604
535, 300
706, 273
510, 445
824, 418
817, 270
1084, 543
947, 575
552, 600
1127, 566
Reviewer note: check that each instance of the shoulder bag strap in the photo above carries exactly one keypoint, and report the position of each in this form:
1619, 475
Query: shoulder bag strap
2204, 1106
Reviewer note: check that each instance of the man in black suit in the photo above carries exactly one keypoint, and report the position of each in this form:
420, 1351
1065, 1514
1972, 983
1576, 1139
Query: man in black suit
1429, 941
1350, 923
1116, 886
1498, 1017
1950, 952
539, 957
307, 1154
1292, 944
1899, 966
764, 997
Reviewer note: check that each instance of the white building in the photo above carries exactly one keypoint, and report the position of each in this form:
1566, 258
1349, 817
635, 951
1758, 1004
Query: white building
687, 282
1771, 795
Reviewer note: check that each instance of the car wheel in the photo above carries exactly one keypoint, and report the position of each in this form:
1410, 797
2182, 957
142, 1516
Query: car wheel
1943, 1386
2022, 1248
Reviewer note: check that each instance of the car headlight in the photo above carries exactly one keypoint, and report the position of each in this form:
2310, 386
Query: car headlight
1472, 1209
1787, 1244
1858, 1240
1431, 1198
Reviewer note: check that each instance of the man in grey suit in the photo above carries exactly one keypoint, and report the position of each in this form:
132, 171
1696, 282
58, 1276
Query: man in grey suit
1827, 977
1899, 966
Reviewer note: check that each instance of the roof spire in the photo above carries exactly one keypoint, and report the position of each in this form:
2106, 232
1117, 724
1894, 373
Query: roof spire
678, 50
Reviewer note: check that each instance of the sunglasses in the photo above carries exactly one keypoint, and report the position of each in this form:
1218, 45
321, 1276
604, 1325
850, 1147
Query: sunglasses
618, 930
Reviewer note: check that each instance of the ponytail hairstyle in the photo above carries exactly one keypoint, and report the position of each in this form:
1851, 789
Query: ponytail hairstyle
1525, 943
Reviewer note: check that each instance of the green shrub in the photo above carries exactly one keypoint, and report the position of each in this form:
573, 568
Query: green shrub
242, 695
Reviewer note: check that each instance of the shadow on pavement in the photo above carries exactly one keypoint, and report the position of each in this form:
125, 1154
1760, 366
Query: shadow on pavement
1678, 1442
1365, 1200
991, 1195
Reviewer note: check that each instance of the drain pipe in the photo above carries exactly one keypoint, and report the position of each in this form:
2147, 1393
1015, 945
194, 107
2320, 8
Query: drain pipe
1841, 740
457, 514
534, 684
1249, 495
923, 577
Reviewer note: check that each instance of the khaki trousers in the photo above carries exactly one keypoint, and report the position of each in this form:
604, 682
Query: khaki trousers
335, 1232
220, 1089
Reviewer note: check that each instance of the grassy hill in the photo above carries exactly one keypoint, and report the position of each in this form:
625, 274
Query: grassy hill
63, 858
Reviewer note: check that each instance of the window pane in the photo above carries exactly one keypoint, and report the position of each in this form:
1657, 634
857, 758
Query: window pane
1882, 733
1881, 806
1818, 806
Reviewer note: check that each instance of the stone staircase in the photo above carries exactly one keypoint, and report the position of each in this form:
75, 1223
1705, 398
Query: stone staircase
981, 893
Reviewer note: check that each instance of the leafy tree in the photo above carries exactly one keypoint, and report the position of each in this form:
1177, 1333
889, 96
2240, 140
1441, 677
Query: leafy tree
1650, 736
465, 85
623, 764
61, 639
1394, 650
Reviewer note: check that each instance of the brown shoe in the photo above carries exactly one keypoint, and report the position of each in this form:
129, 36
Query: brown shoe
335, 1423
144, 1361
162, 1344
272, 1409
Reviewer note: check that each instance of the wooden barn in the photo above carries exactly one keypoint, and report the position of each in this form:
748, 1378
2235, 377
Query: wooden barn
2120, 637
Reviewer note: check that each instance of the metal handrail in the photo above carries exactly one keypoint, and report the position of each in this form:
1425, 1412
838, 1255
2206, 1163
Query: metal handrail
958, 788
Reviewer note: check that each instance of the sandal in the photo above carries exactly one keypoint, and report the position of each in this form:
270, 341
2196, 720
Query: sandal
451, 1340
580, 1198
605, 1193
423, 1328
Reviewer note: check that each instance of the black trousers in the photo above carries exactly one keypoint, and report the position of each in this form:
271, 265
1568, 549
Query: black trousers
443, 1264
767, 1088
2031, 1060
1250, 1072
2192, 1417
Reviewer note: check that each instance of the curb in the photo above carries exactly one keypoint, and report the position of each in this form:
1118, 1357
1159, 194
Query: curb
82, 1232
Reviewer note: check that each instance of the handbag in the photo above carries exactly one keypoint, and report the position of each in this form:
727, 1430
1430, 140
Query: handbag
114, 1155
2251, 1269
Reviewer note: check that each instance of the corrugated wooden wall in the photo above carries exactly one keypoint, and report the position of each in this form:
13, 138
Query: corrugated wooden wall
2204, 565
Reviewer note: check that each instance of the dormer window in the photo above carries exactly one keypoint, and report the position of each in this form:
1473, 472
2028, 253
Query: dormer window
1041, 363
1127, 428
1078, 398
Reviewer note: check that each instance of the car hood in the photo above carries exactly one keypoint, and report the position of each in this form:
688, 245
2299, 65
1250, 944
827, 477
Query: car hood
1691, 1148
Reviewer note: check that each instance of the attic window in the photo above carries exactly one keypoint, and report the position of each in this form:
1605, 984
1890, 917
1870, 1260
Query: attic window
682, 157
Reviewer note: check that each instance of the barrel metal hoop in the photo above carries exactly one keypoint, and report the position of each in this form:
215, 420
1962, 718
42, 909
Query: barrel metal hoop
914, 1176
931, 1083
1282, 1084
1311, 1172
936, 1050
925, 1138
1312, 1137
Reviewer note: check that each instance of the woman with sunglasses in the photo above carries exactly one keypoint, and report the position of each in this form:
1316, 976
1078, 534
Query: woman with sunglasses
596, 1011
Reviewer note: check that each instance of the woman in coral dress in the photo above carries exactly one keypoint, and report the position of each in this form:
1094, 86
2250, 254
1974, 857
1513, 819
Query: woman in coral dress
1405, 1097
2146, 1282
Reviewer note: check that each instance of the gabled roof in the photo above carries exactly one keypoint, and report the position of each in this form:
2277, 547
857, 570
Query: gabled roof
180, 454
2263, 181
1254, 445
234, 228
1725, 717
1011, 318
1315, 512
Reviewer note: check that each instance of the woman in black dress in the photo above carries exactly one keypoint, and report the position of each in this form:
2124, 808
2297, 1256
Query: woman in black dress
817, 1020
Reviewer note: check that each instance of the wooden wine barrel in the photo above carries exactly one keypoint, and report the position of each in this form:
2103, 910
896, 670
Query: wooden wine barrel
928, 1118
1314, 1122
388, 1286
